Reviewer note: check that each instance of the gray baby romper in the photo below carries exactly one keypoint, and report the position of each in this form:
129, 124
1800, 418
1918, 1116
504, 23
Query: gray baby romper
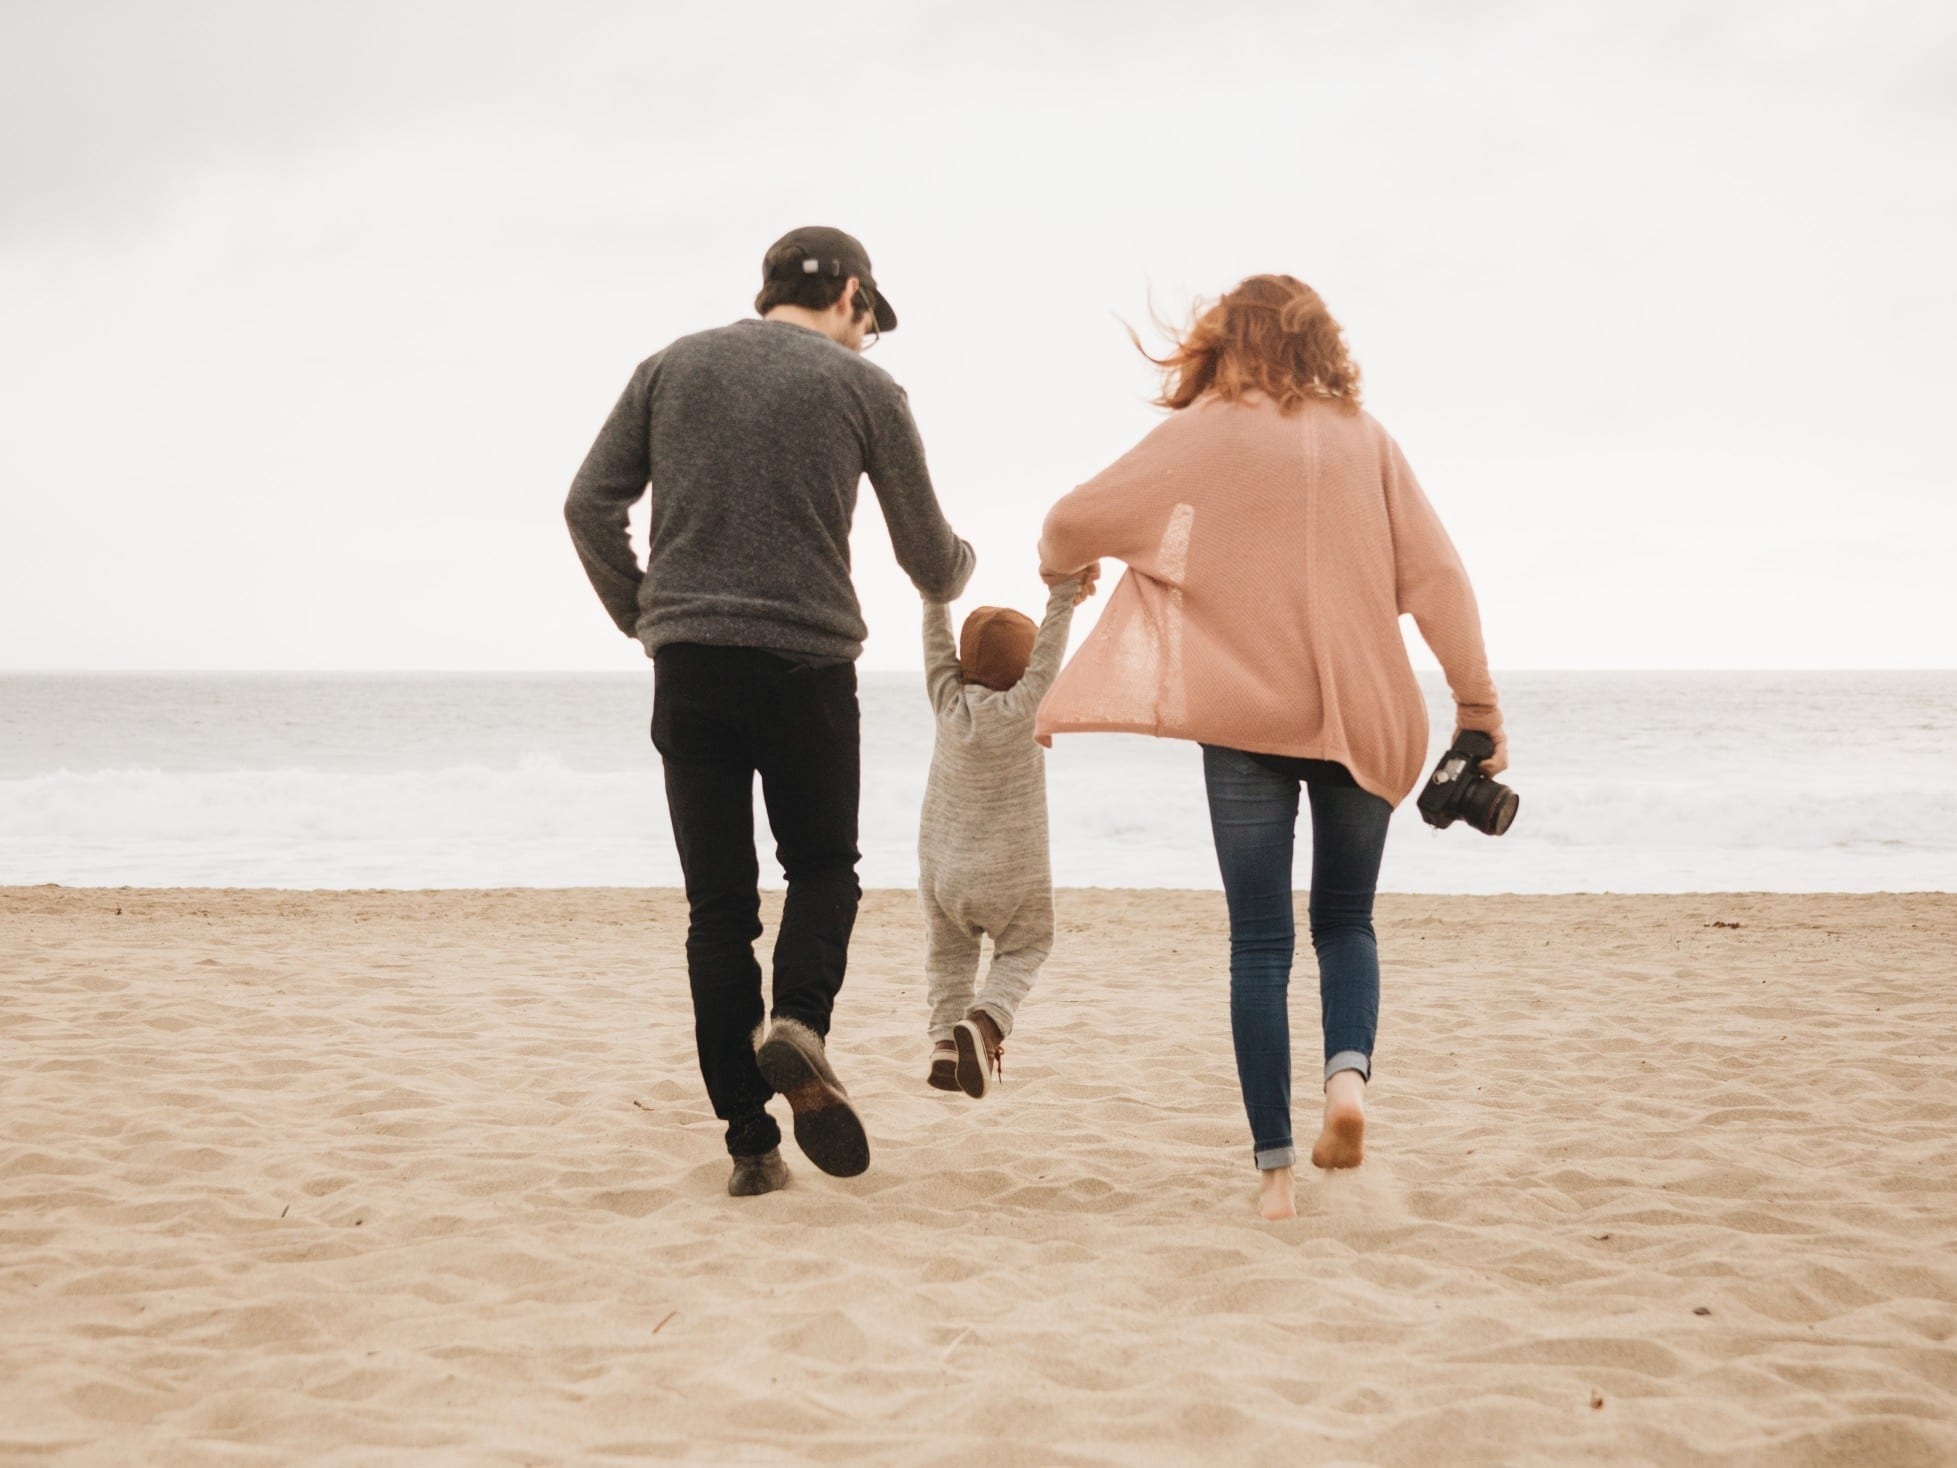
983, 867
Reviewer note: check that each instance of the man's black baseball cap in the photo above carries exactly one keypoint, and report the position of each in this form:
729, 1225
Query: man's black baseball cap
819, 250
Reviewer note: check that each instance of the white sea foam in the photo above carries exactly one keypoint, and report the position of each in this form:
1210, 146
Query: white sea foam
1629, 782
541, 823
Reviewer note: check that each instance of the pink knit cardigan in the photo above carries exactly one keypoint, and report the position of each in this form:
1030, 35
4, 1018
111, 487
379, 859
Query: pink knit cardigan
1269, 559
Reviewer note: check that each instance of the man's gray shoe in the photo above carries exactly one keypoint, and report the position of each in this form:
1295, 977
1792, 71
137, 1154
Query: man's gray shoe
754, 1176
795, 1062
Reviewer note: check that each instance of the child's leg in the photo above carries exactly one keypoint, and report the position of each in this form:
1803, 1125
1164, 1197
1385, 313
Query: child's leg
1019, 949
951, 958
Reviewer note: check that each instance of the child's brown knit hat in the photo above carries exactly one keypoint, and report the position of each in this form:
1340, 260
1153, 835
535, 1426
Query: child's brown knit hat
994, 647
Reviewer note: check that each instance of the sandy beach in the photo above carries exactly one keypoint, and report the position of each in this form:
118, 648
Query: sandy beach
348, 1178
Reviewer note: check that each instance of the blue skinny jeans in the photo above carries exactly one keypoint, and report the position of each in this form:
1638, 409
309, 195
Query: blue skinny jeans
1253, 803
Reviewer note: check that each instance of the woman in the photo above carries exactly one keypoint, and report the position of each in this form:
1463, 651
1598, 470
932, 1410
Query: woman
1274, 535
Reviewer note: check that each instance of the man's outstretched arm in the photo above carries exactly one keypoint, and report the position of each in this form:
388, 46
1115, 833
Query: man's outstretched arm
938, 562
611, 481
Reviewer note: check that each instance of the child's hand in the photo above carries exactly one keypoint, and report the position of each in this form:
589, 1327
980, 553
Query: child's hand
1087, 576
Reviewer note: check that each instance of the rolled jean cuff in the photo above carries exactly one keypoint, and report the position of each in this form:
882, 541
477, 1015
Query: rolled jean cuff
1270, 1157
1350, 1060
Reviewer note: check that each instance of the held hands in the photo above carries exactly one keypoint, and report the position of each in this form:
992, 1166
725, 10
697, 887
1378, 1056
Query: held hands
1087, 576
1499, 760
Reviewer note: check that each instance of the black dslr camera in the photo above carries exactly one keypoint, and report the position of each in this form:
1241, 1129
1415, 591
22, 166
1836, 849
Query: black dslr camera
1458, 791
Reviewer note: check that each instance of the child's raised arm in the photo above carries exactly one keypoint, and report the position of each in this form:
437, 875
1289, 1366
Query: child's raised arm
944, 677
1049, 651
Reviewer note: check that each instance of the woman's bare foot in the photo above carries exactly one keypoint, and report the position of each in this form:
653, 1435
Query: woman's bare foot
1275, 1197
1342, 1142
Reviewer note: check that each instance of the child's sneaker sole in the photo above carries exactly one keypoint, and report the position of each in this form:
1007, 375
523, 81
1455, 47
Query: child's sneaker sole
973, 1078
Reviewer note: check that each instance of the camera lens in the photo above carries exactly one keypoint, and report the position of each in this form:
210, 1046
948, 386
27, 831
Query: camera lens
1489, 806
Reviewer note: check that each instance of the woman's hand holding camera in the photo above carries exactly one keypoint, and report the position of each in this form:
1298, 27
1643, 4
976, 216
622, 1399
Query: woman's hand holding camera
1499, 760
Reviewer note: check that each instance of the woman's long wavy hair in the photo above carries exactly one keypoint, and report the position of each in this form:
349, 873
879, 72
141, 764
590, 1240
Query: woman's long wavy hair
1271, 334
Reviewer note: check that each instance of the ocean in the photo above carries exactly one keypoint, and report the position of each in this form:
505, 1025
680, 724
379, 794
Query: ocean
1630, 782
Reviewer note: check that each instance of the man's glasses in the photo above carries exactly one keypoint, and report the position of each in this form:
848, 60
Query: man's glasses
862, 305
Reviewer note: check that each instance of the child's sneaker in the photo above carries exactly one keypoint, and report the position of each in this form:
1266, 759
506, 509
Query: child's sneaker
944, 1066
981, 1053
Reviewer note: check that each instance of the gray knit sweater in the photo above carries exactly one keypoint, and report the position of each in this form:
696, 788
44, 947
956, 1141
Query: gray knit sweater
754, 438
982, 840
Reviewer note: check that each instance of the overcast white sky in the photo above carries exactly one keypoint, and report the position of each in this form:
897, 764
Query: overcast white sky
308, 312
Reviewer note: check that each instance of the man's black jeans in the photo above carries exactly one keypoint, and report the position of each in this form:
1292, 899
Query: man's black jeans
720, 715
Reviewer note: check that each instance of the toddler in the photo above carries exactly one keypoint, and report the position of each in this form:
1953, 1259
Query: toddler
982, 845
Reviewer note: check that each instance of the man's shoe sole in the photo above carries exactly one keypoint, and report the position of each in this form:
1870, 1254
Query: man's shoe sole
827, 1128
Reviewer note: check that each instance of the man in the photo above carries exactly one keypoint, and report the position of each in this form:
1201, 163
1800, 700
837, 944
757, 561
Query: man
753, 438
